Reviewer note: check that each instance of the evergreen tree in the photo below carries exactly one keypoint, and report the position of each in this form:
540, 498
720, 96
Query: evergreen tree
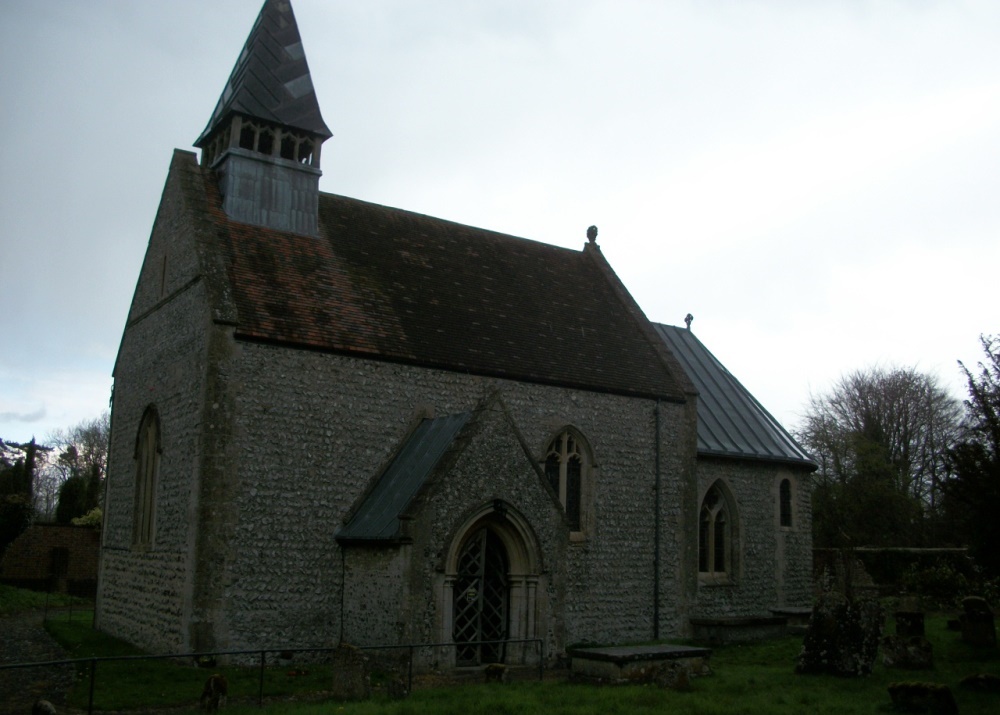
16, 485
973, 492
72, 499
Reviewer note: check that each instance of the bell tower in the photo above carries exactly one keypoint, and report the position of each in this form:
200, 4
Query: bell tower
265, 135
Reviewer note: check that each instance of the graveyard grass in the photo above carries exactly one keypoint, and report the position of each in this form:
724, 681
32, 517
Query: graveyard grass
14, 600
754, 679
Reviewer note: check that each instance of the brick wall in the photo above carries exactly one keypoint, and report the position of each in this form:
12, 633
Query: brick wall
53, 556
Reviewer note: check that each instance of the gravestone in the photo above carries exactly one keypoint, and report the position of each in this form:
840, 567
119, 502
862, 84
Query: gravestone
351, 677
933, 698
908, 652
982, 683
843, 636
909, 623
978, 625
846, 623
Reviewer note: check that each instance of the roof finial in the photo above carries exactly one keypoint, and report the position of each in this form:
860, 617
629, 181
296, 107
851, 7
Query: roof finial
592, 234
688, 319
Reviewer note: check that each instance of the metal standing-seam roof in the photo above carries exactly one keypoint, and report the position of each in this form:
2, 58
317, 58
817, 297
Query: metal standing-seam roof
731, 423
377, 519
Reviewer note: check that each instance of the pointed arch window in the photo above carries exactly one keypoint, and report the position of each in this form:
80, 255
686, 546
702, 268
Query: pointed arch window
147, 467
716, 525
567, 470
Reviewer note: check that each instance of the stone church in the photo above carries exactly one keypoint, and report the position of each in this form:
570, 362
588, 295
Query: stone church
335, 421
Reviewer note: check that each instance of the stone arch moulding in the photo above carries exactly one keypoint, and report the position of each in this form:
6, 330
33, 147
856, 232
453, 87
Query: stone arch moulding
576, 496
525, 571
732, 570
146, 458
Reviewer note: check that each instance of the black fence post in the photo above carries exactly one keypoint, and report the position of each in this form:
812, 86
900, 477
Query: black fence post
260, 691
93, 677
409, 674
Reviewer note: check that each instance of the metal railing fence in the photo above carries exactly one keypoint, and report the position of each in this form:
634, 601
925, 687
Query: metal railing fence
262, 654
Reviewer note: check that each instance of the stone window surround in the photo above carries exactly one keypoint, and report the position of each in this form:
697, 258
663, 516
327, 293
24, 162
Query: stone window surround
728, 576
524, 577
786, 503
148, 450
588, 469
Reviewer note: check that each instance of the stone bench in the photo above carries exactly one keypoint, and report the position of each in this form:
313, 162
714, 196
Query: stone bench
744, 629
667, 665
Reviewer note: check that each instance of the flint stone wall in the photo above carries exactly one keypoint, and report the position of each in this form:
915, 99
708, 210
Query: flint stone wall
773, 563
144, 592
347, 416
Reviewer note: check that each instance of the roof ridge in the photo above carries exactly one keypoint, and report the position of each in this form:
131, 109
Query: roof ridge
667, 358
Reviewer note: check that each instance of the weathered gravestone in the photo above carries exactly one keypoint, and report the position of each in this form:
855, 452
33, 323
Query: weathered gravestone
846, 622
843, 636
982, 683
978, 625
909, 652
933, 698
351, 677
909, 619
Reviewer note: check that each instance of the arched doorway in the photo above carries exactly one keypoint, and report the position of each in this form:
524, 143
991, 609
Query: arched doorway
491, 576
481, 599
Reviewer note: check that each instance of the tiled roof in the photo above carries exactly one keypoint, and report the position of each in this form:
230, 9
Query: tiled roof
271, 79
377, 518
390, 284
731, 423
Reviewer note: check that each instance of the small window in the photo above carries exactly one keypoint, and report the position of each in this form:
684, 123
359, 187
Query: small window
566, 470
785, 502
715, 534
147, 467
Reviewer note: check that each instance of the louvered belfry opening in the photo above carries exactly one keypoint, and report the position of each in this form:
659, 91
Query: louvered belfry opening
482, 597
264, 137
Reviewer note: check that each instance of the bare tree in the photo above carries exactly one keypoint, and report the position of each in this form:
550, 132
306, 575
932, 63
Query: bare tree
881, 437
81, 456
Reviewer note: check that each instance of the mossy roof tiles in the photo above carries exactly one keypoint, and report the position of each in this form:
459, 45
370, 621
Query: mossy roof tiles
396, 285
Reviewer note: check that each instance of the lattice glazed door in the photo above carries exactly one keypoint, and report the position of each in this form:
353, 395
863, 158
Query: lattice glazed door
481, 596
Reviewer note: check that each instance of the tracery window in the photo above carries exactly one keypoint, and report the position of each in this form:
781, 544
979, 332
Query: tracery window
147, 467
785, 503
566, 469
715, 534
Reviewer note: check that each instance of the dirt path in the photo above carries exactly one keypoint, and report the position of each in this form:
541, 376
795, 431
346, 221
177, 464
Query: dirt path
23, 639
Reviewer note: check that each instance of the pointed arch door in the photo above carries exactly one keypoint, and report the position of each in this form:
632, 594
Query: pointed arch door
481, 599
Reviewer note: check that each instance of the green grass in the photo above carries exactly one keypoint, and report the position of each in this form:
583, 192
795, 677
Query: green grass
167, 682
14, 600
753, 679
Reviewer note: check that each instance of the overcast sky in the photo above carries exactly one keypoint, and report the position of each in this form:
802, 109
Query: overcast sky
818, 183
